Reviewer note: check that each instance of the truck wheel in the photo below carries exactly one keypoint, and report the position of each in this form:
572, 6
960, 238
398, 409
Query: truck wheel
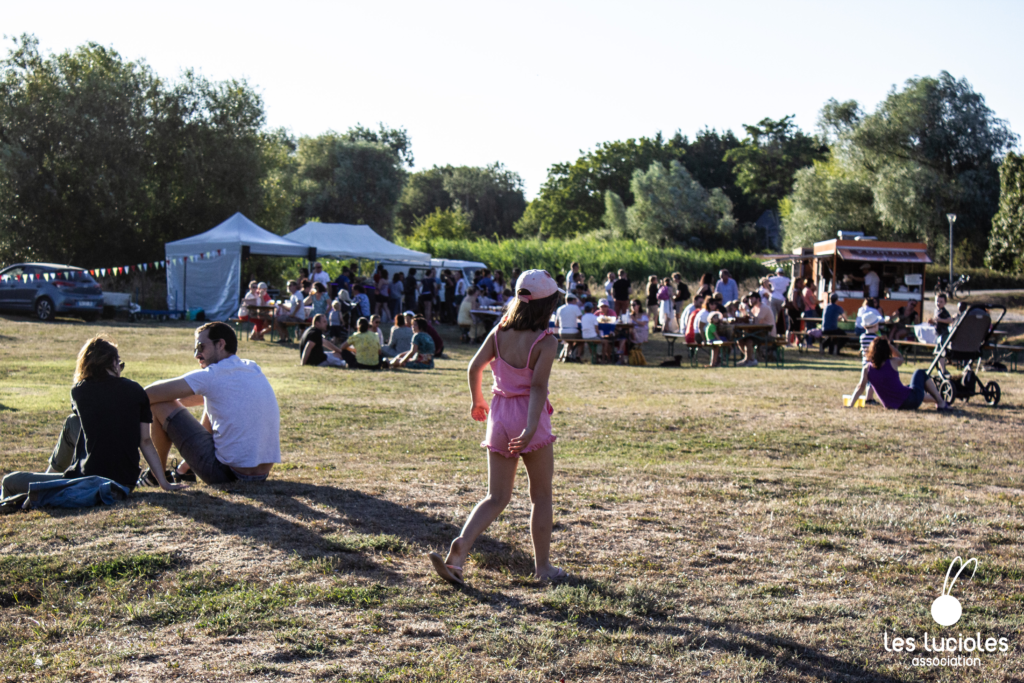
45, 310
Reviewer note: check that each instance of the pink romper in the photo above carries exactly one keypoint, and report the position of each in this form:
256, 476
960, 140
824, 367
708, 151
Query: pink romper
511, 403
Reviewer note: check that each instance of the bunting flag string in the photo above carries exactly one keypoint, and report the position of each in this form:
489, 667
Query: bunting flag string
117, 270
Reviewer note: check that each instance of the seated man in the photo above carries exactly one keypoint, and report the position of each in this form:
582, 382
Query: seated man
830, 325
291, 312
238, 438
762, 314
311, 346
108, 426
568, 315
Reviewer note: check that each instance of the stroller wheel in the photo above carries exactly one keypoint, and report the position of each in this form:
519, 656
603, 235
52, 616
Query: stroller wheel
992, 393
946, 390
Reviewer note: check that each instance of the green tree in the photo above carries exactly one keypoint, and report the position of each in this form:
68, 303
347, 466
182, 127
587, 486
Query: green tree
769, 157
672, 207
395, 139
452, 224
344, 181
929, 149
492, 196
102, 161
932, 148
1006, 246
572, 200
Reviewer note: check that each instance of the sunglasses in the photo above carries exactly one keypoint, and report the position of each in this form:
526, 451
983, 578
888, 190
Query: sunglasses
120, 365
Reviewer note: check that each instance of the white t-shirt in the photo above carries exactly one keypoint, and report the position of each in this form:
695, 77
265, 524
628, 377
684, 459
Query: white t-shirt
298, 308
243, 409
568, 316
460, 287
871, 281
588, 324
321, 277
780, 285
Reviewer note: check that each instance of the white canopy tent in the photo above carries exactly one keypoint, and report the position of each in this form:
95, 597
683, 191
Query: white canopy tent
342, 241
213, 284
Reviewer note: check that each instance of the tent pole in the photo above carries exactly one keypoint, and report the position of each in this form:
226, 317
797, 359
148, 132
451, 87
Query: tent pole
184, 290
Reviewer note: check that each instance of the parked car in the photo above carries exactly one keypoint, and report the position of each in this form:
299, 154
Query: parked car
68, 291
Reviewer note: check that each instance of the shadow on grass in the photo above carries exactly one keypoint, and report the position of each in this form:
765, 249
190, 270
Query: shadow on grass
599, 606
269, 514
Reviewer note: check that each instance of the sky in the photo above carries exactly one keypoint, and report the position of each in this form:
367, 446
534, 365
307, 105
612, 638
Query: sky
531, 84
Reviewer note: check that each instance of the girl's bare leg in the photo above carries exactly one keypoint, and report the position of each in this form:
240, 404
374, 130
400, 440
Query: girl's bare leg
540, 466
501, 476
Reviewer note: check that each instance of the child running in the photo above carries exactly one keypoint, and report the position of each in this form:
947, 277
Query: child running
520, 351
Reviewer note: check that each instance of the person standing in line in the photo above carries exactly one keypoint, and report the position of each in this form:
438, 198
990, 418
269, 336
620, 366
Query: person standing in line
608, 282
621, 289
320, 275
726, 286
520, 352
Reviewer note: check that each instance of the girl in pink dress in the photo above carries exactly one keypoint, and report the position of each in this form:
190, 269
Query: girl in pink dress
520, 351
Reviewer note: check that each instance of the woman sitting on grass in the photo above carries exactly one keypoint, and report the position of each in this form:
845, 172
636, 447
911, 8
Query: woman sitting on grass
421, 355
361, 351
880, 371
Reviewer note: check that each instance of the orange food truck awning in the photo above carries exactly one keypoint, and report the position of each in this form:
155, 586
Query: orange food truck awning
884, 255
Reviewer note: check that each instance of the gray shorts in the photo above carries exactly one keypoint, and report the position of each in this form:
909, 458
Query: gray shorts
196, 447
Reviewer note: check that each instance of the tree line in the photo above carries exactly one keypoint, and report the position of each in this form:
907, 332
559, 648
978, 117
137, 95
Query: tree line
102, 159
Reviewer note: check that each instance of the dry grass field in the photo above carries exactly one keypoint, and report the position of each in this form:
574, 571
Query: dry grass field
722, 525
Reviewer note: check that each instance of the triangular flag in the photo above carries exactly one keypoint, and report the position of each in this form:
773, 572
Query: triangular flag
145, 267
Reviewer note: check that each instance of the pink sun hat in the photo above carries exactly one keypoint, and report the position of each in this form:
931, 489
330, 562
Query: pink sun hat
538, 283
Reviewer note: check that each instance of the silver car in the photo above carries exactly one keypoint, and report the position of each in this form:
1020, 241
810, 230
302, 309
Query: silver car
50, 289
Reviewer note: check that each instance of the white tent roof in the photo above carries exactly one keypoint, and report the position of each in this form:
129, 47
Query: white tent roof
234, 233
339, 240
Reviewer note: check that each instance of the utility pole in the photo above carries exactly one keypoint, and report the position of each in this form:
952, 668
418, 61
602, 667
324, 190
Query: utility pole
951, 217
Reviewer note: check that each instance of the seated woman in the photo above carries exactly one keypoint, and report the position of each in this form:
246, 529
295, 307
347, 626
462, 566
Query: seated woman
690, 316
902, 322
421, 355
362, 350
638, 333
108, 426
400, 340
880, 371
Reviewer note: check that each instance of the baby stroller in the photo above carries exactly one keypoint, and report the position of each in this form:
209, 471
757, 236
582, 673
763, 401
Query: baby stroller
968, 334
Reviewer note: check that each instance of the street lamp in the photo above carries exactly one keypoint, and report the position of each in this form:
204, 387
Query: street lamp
951, 217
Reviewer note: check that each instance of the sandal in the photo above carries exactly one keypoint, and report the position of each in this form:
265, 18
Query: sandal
448, 572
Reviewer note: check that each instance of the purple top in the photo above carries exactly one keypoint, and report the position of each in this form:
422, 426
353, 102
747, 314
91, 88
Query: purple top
886, 383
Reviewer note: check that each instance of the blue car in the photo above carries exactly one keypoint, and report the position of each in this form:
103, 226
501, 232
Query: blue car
59, 290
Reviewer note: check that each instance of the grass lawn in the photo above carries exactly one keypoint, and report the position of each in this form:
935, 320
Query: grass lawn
722, 525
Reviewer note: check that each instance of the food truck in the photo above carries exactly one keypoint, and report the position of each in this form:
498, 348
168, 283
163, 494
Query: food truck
837, 266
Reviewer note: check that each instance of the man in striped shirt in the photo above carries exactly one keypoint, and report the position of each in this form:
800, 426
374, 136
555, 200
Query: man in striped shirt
870, 320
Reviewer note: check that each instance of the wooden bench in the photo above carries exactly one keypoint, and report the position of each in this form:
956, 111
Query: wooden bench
915, 346
300, 326
671, 338
1001, 353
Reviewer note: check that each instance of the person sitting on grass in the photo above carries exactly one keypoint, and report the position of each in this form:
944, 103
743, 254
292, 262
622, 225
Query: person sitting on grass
870, 320
881, 373
400, 340
420, 355
108, 426
292, 312
311, 346
362, 350
238, 437
830, 325
375, 328
428, 328
335, 328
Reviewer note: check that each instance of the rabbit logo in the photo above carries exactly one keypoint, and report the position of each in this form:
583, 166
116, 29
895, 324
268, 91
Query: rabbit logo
946, 609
